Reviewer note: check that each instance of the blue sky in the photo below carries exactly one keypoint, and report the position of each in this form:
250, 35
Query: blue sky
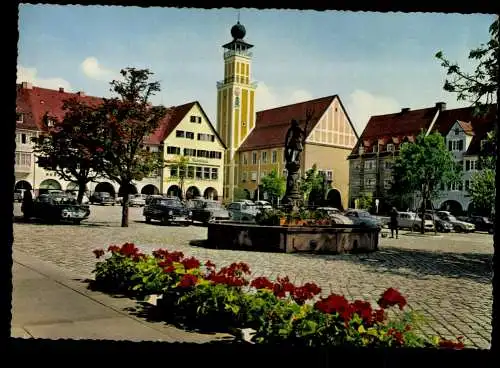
376, 62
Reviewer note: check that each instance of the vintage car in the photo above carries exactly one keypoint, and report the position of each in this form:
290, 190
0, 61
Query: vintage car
441, 225
410, 220
481, 223
243, 211
208, 210
363, 218
458, 226
102, 198
167, 211
137, 200
59, 207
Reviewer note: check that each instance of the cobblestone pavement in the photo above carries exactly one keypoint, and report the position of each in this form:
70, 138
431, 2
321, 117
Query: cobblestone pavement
446, 278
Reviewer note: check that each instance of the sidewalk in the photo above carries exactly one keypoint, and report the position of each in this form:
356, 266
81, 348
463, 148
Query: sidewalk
49, 302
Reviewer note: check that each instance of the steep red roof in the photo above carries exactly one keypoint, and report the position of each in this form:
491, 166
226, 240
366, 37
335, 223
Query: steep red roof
466, 127
271, 125
34, 102
398, 125
478, 125
173, 117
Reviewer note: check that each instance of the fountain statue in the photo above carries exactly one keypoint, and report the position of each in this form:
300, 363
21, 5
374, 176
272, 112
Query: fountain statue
294, 145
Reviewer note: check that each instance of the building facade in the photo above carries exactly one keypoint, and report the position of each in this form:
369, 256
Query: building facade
371, 160
205, 167
330, 137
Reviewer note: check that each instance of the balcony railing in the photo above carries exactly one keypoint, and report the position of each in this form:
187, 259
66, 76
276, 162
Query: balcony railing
233, 80
243, 53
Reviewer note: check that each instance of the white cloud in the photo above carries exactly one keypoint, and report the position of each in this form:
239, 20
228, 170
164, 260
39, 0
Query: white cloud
268, 98
30, 75
92, 69
361, 105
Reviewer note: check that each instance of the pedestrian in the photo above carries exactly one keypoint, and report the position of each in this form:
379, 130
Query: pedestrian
394, 222
27, 205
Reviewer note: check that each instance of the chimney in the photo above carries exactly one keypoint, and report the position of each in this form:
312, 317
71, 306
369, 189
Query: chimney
27, 85
81, 93
61, 89
441, 106
405, 109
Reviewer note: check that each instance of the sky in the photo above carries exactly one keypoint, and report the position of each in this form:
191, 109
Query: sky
377, 63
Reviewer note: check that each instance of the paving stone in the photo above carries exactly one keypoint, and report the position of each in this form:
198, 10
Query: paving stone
446, 279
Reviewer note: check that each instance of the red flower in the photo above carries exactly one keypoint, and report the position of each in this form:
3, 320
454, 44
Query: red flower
210, 265
397, 336
190, 263
335, 304
114, 249
98, 253
129, 249
262, 283
392, 297
379, 315
306, 292
282, 286
188, 281
231, 276
169, 269
364, 310
448, 344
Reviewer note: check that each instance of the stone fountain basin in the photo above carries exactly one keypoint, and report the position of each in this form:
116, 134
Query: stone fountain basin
336, 239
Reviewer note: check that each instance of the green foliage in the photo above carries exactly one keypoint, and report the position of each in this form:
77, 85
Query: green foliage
313, 185
365, 201
149, 278
423, 166
480, 87
71, 147
240, 194
126, 121
270, 217
482, 190
274, 185
116, 274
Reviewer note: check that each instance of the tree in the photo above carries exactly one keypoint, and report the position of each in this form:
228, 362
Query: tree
480, 87
313, 185
365, 201
482, 191
126, 121
274, 185
71, 146
240, 194
422, 167
180, 166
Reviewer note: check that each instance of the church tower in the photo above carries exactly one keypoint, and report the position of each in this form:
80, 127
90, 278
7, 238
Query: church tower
235, 103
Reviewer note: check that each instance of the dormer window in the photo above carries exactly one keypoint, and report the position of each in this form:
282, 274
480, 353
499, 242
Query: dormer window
457, 131
19, 117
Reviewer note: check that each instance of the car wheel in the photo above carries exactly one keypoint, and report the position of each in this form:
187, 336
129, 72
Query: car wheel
164, 220
439, 229
457, 229
148, 220
77, 221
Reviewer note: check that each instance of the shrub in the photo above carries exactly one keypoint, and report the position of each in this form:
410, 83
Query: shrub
279, 311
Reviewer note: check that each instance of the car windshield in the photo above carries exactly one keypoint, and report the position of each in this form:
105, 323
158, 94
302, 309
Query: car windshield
105, 194
169, 203
363, 214
64, 200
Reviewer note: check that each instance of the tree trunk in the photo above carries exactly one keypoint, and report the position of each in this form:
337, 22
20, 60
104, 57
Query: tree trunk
125, 203
81, 191
422, 215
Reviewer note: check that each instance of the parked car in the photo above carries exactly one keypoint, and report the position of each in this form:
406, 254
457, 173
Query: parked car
410, 220
458, 226
102, 198
263, 205
136, 200
364, 218
335, 215
152, 196
57, 207
243, 211
441, 225
167, 211
481, 223
208, 210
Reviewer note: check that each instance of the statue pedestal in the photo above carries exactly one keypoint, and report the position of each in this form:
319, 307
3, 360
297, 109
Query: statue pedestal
293, 199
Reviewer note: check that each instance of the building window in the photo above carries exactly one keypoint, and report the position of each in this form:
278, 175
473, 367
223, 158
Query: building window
369, 165
390, 147
375, 149
264, 157
19, 117
457, 131
172, 150
254, 176
370, 182
179, 133
189, 135
173, 172
471, 165
467, 185
388, 165
387, 183
244, 177
329, 175
456, 145
245, 160
215, 173
206, 173
198, 173
190, 172
274, 157
23, 159
195, 119
23, 138
254, 158
189, 152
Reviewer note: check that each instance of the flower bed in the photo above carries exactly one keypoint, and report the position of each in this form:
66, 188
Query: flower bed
201, 295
